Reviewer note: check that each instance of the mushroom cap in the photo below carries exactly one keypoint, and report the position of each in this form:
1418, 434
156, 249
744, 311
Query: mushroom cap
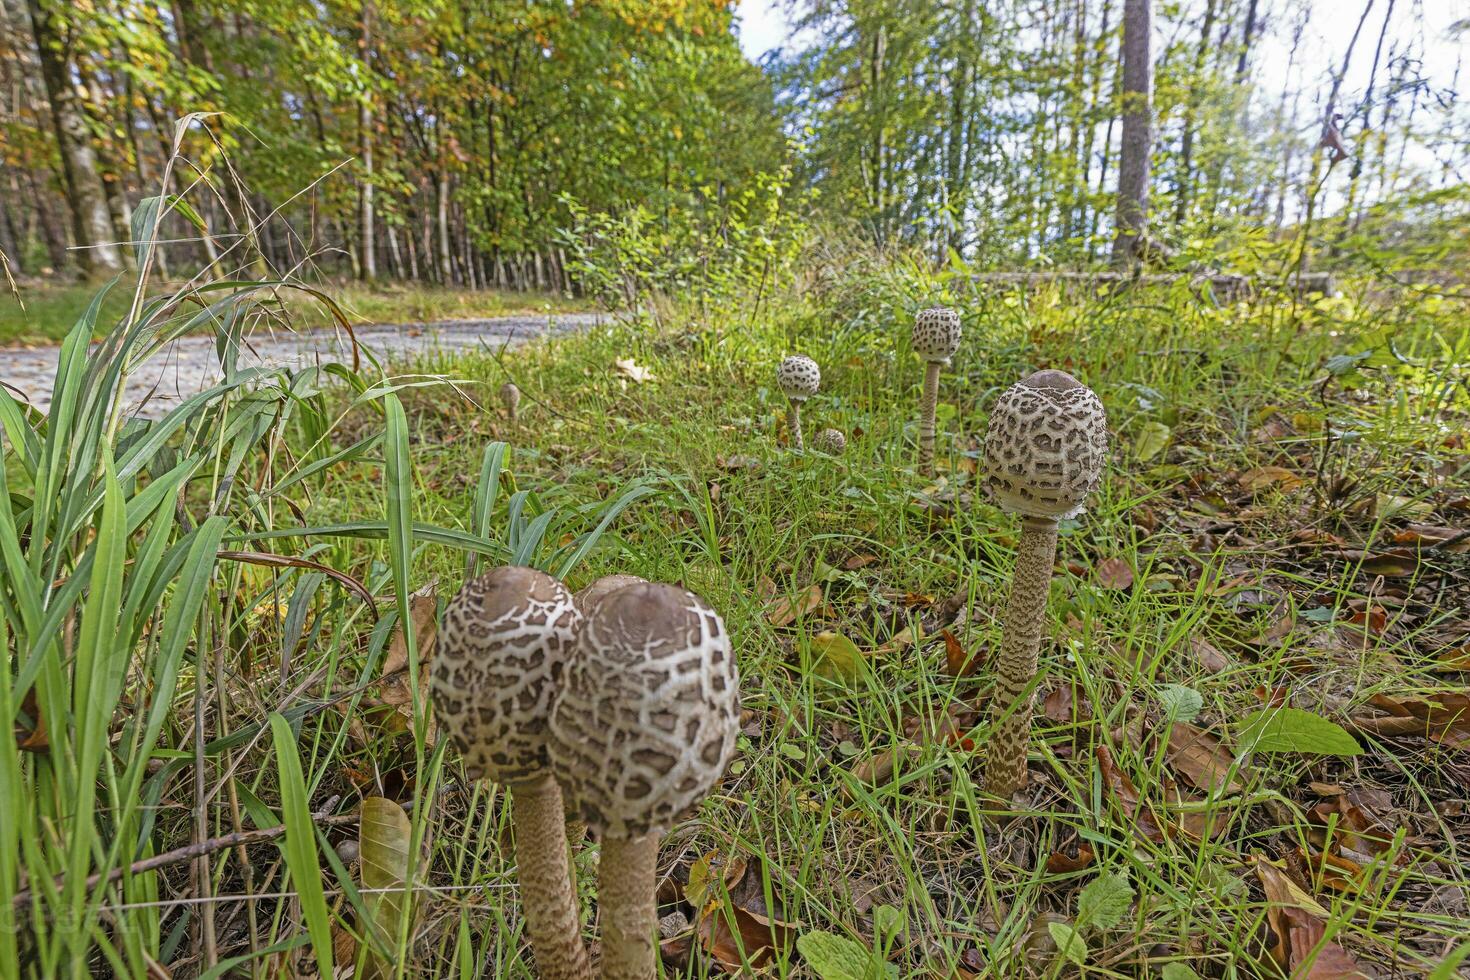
936, 334
590, 595
645, 719
829, 441
510, 393
1045, 446
502, 646
799, 377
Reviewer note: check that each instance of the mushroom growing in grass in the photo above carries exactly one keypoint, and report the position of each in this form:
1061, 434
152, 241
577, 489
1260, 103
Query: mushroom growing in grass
590, 595
936, 337
829, 441
510, 397
1044, 453
643, 725
799, 377
501, 652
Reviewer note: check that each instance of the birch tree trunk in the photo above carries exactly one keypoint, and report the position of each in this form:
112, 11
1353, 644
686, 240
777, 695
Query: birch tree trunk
1133, 166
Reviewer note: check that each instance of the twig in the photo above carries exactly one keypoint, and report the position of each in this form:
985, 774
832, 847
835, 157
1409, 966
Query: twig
197, 850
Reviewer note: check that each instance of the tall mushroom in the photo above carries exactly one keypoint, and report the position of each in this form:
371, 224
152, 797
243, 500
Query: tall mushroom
501, 653
1044, 453
799, 377
590, 595
510, 397
936, 337
643, 725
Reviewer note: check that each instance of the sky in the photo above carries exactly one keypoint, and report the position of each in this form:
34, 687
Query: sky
762, 25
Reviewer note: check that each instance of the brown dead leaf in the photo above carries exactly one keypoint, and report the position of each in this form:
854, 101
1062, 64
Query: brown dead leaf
877, 769
422, 606
1126, 795
1449, 539
855, 562
785, 610
1208, 655
1073, 855
1268, 477
1444, 717
34, 737
958, 663
1296, 919
1114, 573
1201, 758
734, 925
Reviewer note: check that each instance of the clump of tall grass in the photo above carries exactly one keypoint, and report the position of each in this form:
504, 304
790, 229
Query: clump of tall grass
163, 735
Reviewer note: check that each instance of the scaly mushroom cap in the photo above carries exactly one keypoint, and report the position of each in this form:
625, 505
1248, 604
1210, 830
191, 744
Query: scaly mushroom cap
500, 654
799, 377
1045, 446
936, 334
829, 441
510, 395
589, 596
645, 719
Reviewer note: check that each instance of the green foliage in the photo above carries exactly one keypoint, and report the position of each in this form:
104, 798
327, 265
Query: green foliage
1294, 730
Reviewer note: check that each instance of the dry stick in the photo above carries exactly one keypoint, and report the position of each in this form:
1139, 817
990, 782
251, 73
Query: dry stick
192, 852
1005, 761
927, 408
625, 897
548, 894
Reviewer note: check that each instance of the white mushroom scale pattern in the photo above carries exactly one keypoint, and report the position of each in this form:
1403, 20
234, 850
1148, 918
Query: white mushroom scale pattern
936, 334
1045, 446
799, 377
648, 710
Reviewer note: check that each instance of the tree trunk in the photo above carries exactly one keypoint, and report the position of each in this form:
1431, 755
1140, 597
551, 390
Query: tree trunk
446, 254
91, 220
10, 240
1183, 183
1133, 167
368, 267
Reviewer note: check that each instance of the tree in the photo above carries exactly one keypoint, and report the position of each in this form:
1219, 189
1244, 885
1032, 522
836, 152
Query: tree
85, 195
1131, 233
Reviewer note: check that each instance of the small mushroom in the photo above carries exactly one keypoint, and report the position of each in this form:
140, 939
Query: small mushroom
829, 441
500, 654
643, 725
1044, 453
799, 377
510, 397
936, 337
590, 595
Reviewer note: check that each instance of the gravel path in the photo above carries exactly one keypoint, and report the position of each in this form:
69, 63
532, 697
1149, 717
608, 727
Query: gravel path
189, 365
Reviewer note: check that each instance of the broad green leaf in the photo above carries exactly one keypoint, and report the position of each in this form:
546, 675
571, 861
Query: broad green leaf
1180, 703
1178, 971
299, 845
1105, 901
1070, 944
1294, 730
834, 957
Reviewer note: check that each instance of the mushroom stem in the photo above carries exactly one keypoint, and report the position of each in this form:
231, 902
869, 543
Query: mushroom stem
1005, 759
548, 897
796, 440
927, 408
625, 902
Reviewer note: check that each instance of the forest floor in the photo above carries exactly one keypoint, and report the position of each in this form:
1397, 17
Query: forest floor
38, 312
1251, 751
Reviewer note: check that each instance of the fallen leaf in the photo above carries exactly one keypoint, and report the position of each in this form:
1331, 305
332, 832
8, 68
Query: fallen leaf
629, 368
1114, 573
1208, 655
958, 663
785, 610
1126, 795
1296, 919
1268, 477
1074, 855
1444, 717
836, 657
1201, 758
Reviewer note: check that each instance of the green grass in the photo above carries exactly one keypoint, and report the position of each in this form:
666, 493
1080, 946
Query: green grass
43, 313
1248, 583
